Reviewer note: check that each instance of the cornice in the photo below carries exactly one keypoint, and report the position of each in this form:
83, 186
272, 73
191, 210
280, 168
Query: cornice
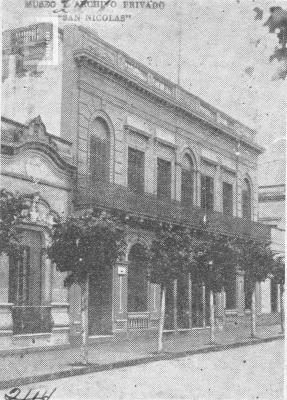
16, 148
86, 57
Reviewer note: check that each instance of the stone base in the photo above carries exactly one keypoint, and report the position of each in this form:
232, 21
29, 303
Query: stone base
60, 336
6, 339
31, 340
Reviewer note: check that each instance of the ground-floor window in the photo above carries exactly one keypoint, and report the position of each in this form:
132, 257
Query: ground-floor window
25, 271
25, 287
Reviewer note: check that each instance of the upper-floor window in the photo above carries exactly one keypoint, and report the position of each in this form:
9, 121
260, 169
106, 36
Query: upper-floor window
163, 179
187, 181
136, 170
227, 198
207, 192
99, 151
246, 199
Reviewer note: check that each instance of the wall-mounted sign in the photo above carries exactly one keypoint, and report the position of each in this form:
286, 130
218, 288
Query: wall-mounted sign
122, 270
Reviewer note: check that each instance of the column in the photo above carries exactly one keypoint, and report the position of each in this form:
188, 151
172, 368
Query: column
177, 181
258, 298
218, 189
219, 309
59, 308
175, 306
266, 296
6, 321
240, 296
189, 302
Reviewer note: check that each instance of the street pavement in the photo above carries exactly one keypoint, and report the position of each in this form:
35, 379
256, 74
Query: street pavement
24, 367
250, 372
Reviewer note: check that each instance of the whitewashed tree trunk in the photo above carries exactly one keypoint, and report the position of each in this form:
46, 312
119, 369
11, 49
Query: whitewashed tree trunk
282, 310
84, 317
253, 313
161, 319
212, 317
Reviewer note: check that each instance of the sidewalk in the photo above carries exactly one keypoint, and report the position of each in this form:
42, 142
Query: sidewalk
25, 368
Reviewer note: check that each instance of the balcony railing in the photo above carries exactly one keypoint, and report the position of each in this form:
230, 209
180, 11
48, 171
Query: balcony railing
113, 196
31, 319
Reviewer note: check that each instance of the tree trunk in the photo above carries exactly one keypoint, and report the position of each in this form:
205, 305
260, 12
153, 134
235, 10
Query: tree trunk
253, 313
282, 311
212, 317
161, 319
84, 316
175, 327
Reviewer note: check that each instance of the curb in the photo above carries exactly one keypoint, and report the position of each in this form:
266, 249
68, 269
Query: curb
93, 368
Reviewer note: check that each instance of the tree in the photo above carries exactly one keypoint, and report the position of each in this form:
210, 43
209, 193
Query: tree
256, 260
278, 276
83, 245
213, 264
11, 208
170, 256
277, 23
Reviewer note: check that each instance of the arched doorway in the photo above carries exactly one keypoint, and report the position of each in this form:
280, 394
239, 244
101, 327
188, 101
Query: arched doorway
137, 280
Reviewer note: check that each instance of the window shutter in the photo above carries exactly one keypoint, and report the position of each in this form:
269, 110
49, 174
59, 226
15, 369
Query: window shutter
136, 170
163, 179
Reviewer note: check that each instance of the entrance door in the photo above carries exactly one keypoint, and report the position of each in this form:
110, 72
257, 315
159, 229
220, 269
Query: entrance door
100, 302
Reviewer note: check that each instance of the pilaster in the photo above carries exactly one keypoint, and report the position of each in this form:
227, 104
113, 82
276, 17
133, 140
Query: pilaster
6, 321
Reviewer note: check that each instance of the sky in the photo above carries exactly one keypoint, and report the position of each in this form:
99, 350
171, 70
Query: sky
222, 51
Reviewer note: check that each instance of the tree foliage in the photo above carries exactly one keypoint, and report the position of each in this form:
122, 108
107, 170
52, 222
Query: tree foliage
12, 207
170, 254
213, 261
255, 258
277, 23
278, 270
86, 244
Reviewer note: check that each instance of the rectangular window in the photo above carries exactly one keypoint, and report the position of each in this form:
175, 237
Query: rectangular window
227, 194
207, 192
163, 179
136, 170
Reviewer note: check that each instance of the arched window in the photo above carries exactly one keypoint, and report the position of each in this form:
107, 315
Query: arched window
99, 151
137, 280
187, 181
246, 199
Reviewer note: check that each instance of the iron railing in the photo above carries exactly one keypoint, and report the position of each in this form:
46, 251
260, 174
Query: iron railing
31, 319
114, 196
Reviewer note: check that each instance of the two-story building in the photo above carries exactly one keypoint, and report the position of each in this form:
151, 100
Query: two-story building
147, 147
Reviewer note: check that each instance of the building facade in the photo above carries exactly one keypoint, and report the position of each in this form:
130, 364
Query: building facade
142, 145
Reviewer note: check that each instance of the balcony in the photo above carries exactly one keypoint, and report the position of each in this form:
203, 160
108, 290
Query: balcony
113, 196
31, 319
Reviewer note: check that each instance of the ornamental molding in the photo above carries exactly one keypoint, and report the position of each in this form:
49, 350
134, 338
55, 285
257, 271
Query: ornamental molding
90, 58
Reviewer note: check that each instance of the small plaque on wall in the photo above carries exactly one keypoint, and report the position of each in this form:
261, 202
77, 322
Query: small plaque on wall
122, 270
